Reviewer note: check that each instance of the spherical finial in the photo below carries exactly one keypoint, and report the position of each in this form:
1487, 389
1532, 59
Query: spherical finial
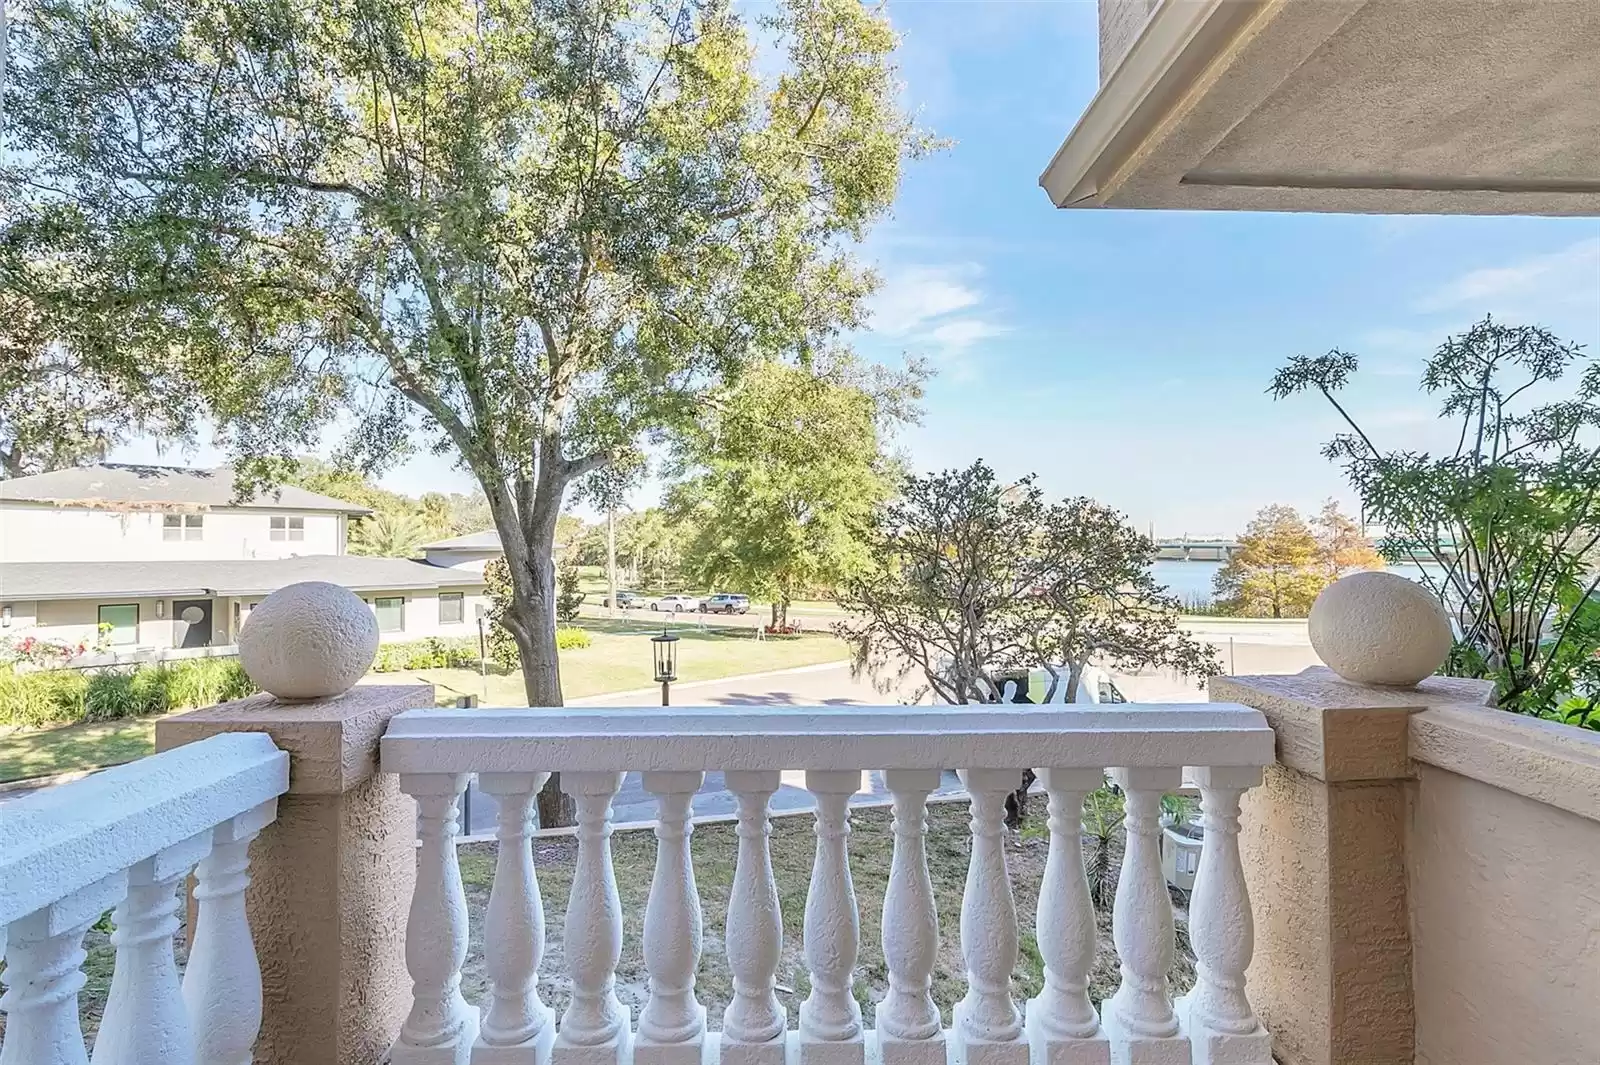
1379, 628
308, 641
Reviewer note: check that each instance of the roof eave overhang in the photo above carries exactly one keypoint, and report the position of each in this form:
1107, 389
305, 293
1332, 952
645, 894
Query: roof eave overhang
1173, 49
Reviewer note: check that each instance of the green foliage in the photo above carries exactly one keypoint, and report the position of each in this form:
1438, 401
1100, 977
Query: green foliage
571, 638
786, 467
399, 524
534, 232
63, 696
1283, 563
569, 590
1103, 815
1508, 518
971, 579
497, 586
431, 653
1274, 572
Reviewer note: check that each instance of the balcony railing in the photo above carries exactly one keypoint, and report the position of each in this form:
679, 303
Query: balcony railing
1145, 748
127, 838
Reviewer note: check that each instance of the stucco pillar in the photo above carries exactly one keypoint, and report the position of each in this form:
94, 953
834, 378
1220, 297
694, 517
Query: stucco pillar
1323, 843
332, 877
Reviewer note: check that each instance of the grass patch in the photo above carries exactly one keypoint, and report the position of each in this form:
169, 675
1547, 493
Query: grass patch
714, 848
618, 658
61, 750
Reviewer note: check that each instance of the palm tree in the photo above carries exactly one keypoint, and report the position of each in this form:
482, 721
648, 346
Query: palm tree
393, 534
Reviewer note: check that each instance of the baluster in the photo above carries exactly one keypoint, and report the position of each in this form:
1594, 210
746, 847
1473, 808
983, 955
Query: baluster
987, 1027
1062, 1024
754, 1025
1223, 1029
441, 1027
44, 973
518, 1029
1139, 1017
595, 1028
145, 1018
908, 1029
673, 1023
222, 980
830, 1017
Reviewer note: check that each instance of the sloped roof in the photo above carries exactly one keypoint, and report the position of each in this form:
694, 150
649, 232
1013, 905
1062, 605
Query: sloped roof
125, 485
206, 577
487, 540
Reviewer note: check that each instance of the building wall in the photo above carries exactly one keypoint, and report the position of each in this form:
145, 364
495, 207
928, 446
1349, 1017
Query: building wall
1504, 864
73, 620
41, 533
1120, 23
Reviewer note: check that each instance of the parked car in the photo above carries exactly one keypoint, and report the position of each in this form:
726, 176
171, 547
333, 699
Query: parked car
725, 603
676, 603
626, 600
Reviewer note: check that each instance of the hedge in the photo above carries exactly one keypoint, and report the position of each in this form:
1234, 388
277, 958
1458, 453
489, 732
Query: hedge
66, 696
432, 653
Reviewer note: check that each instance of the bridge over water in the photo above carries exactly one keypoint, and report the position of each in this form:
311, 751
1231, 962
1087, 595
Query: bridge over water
1196, 549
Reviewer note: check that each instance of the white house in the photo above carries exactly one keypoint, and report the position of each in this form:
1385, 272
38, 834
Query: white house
168, 558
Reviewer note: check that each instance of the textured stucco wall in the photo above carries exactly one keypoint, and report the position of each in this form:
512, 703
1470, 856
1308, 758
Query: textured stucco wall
332, 876
1120, 23
1506, 925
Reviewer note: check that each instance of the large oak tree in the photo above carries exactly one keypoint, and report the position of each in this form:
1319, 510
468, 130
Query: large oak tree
531, 232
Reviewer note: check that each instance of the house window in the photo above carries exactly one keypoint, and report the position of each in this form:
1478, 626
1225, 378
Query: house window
284, 528
182, 526
123, 619
452, 608
391, 614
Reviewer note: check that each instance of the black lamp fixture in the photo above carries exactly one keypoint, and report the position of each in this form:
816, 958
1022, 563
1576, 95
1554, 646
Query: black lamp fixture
665, 648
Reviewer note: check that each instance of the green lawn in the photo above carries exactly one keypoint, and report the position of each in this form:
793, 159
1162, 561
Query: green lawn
618, 660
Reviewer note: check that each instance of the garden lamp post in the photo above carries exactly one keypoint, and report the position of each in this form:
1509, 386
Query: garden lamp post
666, 655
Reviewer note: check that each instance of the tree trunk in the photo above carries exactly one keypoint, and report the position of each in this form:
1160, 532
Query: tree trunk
1017, 801
774, 625
611, 557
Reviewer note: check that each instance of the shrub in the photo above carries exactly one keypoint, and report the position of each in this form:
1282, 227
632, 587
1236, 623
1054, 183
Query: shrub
571, 638
34, 700
432, 653
64, 696
110, 696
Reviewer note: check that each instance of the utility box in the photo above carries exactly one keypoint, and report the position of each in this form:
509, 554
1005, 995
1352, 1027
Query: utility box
1180, 854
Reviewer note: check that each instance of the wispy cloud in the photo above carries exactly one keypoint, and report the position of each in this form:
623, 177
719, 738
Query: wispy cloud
915, 295
935, 308
1571, 275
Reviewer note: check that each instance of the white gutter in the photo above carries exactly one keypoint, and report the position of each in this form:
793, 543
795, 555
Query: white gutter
1083, 162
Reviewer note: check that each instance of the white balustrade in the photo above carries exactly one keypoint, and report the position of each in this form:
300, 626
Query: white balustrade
1140, 1016
1063, 1027
673, 1023
753, 1025
908, 1019
592, 747
440, 1028
518, 1029
124, 840
830, 1018
595, 1027
1222, 1027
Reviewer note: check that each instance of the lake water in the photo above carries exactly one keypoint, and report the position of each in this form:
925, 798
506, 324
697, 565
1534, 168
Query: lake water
1191, 581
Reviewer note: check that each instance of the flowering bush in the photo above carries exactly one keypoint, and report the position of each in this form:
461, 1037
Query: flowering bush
40, 653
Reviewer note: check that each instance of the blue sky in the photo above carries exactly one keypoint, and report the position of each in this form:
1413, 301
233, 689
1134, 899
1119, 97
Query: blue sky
1123, 355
